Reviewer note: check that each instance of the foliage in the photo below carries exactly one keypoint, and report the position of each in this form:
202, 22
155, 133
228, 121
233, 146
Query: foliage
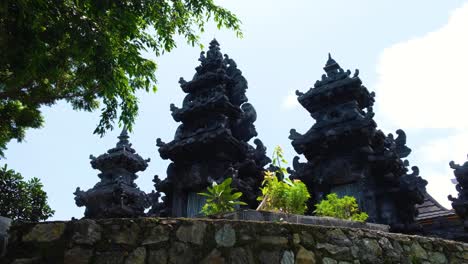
220, 198
87, 52
22, 200
278, 160
282, 195
344, 208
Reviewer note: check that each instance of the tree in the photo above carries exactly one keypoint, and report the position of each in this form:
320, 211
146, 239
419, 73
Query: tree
87, 52
22, 200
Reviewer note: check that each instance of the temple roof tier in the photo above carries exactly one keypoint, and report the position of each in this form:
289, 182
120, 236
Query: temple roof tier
319, 140
122, 156
206, 80
203, 146
202, 106
336, 93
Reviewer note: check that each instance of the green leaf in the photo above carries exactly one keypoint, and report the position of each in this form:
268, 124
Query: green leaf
221, 199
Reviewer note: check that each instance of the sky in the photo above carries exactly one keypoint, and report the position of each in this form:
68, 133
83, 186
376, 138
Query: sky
412, 54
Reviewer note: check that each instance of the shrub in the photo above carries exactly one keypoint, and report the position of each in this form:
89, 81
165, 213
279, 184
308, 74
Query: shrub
220, 198
344, 208
282, 195
22, 200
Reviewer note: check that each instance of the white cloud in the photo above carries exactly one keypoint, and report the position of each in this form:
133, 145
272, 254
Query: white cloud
445, 149
290, 101
422, 84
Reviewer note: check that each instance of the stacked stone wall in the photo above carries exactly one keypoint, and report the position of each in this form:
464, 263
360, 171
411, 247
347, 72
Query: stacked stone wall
158, 240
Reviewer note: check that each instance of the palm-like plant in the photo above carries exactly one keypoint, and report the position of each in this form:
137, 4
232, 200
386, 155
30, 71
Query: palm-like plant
220, 198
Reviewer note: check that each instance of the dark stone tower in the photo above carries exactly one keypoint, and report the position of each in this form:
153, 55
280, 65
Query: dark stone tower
211, 143
116, 195
460, 204
347, 155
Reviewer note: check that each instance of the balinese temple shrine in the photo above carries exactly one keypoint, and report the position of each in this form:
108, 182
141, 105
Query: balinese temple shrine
116, 194
346, 153
211, 143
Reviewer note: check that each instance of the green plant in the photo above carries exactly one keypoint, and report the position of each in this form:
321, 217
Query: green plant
296, 197
220, 198
282, 195
277, 160
344, 208
22, 200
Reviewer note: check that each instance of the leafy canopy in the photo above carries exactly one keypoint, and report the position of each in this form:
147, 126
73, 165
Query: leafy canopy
220, 198
282, 195
87, 52
22, 200
344, 208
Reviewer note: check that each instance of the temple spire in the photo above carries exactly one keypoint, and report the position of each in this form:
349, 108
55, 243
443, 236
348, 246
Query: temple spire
214, 52
331, 67
123, 138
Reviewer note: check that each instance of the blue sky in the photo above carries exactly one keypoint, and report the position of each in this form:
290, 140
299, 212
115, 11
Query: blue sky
411, 53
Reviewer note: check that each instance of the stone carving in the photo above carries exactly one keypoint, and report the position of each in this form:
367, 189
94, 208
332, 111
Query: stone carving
346, 153
116, 195
460, 204
211, 142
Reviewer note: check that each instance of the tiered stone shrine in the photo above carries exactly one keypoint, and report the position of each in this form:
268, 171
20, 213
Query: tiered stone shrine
211, 143
116, 195
346, 154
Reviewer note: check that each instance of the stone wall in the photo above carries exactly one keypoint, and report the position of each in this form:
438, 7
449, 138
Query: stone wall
153, 240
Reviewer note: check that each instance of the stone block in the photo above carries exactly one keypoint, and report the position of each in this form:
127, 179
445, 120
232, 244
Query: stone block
157, 256
181, 253
305, 256
78, 255
46, 232
138, 256
156, 235
241, 256
193, 233
226, 236
86, 232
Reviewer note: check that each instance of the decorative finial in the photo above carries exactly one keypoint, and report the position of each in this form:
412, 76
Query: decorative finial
331, 65
123, 138
214, 43
214, 53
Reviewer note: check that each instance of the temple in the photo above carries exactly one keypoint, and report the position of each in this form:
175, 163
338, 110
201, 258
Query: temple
211, 143
347, 155
116, 195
